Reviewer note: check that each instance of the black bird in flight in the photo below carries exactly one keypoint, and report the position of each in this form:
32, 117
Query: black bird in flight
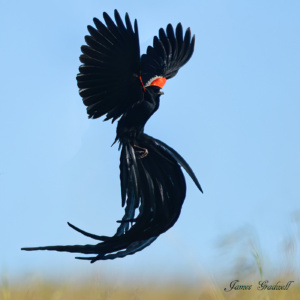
114, 80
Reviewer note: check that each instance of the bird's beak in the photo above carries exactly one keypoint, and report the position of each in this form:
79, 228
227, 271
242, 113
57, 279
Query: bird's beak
161, 92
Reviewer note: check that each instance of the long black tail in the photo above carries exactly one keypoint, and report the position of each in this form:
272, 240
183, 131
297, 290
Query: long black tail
153, 184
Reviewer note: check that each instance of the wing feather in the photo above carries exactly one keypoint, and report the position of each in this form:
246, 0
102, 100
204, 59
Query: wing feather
109, 75
170, 51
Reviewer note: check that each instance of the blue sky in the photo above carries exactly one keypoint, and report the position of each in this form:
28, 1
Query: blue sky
232, 112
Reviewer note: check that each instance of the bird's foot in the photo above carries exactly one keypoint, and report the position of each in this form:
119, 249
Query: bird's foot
142, 152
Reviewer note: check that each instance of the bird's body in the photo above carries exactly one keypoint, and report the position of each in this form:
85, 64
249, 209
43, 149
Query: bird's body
131, 125
116, 81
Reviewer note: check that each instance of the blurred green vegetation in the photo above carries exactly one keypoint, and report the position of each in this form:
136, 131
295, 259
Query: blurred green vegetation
45, 290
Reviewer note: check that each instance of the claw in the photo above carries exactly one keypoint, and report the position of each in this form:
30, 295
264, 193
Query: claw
142, 153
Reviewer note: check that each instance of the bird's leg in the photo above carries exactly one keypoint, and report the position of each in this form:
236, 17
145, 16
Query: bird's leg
143, 152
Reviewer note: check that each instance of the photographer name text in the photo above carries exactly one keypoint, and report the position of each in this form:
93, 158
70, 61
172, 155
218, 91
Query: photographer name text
262, 285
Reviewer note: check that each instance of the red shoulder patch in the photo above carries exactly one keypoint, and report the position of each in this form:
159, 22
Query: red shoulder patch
159, 81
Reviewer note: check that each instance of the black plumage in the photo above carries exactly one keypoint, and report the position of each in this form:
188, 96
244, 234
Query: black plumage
115, 81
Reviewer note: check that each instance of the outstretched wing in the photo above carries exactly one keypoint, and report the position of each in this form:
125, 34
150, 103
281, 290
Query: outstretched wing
109, 77
170, 51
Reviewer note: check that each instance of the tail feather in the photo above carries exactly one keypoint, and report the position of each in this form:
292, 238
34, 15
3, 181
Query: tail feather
154, 187
179, 160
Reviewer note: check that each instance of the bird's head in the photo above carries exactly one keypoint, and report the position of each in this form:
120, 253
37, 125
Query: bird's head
154, 90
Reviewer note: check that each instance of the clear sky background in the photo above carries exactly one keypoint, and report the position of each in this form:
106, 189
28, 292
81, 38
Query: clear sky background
233, 112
